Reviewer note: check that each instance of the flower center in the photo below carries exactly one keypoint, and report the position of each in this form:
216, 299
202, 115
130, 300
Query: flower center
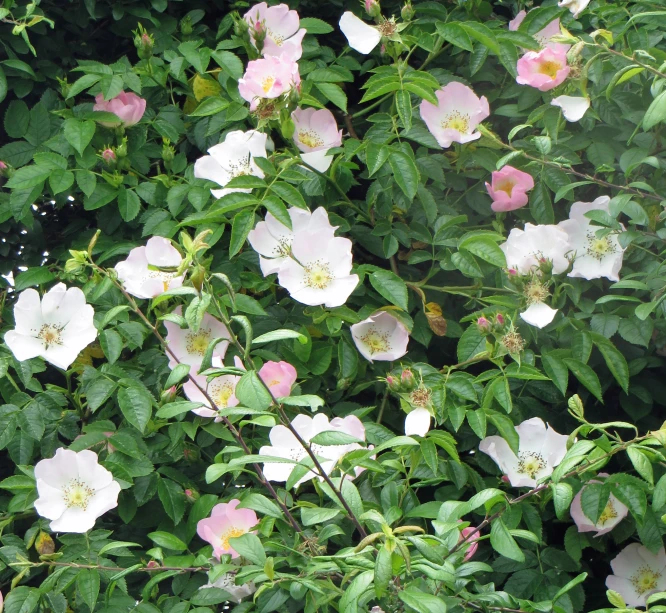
196, 344
456, 121
513, 342
283, 247
221, 393
267, 83
50, 334
77, 494
530, 463
599, 248
608, 514
387, 28
310, 139
376, 341
550, 68
536, 293
318, 275
420, 397
645, 580
229, 534
505, 185
240, 167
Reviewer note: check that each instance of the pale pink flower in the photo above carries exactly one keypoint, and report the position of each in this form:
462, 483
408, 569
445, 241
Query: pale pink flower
543, 70
380, 337
138, 273
272, 240
508, 189
612, 515
189, 346
127, 106
637, 573
283, 36
456, 116
472, 544
226, 522
573, 107
316, 132
279, 377
268, 78
284, 444
544, 36
221, 390
417, 422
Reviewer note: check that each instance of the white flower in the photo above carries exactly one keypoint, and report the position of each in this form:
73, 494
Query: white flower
139, 273
575, 6
527, 249
319, 270
57, 328
227, 582
613, 513
417, 422
538, 314
380, 337
74, 490
221, 390
595, 257
540, 450
360, 35
234, 157
272, 240
284, 444
573, 107
190, 346
637, 573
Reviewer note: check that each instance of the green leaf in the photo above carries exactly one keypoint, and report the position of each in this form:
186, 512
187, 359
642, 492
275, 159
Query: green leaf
403, 104
278, 335
3, 85
252, 393
586, 376
17, 119
129, 204
503, 543
483, 34
61, 180
562, 497
422, 602
22, 599
210, 106
557, 370
87, 585
317, 515
32, 277
289, 194
455, 34
136, 406
112, 345
390, 286
177, 408
167, 540
333, 437
383, 571
249, 547
641, 463
541, 205
79, 133
405, 172
315, 26
334, 93
656, 112
28, 177
486, 248
179, 372
614, 359
172, 497
506, 429
242, 224
261, 504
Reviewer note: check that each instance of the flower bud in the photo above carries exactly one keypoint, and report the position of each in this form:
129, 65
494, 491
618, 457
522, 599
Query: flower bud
393, 383
186, 25
407, 12
121, 150
191, 494
44, 544
144, 43
483, 325
109, 157
114, 180
152, 564
198, 277
372, 8
3, 168
407, 379
287, 127
168, 154
168, 395
499, 321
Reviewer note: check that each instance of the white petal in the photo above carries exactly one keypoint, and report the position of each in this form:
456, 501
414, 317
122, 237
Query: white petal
319, 160
573, 107
23, 347
74, 520
538, 315
361, 36
417, 422
28, 313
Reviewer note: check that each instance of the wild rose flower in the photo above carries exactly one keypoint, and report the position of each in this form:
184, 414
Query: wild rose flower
541, 449
127, 106
538, 314
316, 132
319, 272
138, 273
455, 118
272, 240
637, 573
190, 346
472, 544
57, 327
227, 582
221, 390
361, 36
285, 445
527, 249
226, 522
380, 337
573, 107
544, 70
595, 257
417, 422
575, 6
234, 157
74, 490
508, 189
283, 34
279, 377
614, 512
544, 36
268, 78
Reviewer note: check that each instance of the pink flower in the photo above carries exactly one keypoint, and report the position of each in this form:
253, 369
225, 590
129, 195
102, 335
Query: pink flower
456, 116
225, 522
544, 70
127, 106
281, 27
268, 78
508, 189
542, 36
279, 376
614, 512
316, 132
472, 544
380, 337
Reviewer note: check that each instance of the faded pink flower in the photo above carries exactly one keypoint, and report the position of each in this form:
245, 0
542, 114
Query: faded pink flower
279, 377
128, 107
225, 522
508, 189
268, 78
456, 116
283, 35
316, 132
543, 70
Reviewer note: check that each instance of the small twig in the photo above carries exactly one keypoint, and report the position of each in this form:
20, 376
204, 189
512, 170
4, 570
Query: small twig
350, 126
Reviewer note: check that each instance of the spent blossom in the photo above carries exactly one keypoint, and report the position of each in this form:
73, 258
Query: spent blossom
268, 78
380, 337
127, 106
508, 189
281, 34
226, 521
316, 131
544, 70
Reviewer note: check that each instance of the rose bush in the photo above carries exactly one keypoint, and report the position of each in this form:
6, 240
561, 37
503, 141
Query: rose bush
332, 306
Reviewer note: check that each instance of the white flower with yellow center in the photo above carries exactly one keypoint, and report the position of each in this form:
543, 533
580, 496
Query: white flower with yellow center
221, 390
316, 131
538, 313
597, 253
74, 490
540, 450
318, 271
56, 328
528, 249
637, 573
380, 337
614, 512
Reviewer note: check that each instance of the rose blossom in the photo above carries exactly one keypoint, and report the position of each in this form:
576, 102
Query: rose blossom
281, 25
268, 78
637, 573
614, 512
527, 249
279, 377
380, 337
573, 107
226, 522
508, 189
543, 37
544, 70
456, 115
417, 422
472, 544
575, 6
128, 107
316, 132
221, 390
57, 327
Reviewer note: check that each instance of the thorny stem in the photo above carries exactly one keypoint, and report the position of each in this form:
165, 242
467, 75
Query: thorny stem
143, 569
632, 58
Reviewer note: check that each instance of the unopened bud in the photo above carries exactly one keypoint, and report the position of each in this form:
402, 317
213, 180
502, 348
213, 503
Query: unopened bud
144, 43
198, 277
121, 150
483, 325
3, 168
109, 157
168, 395
505, 479
191, 495
372, 8
152, 564
407, 12
44, 544
407, 379
499, 320
287, 127
393, 383
168, 153
512, 272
